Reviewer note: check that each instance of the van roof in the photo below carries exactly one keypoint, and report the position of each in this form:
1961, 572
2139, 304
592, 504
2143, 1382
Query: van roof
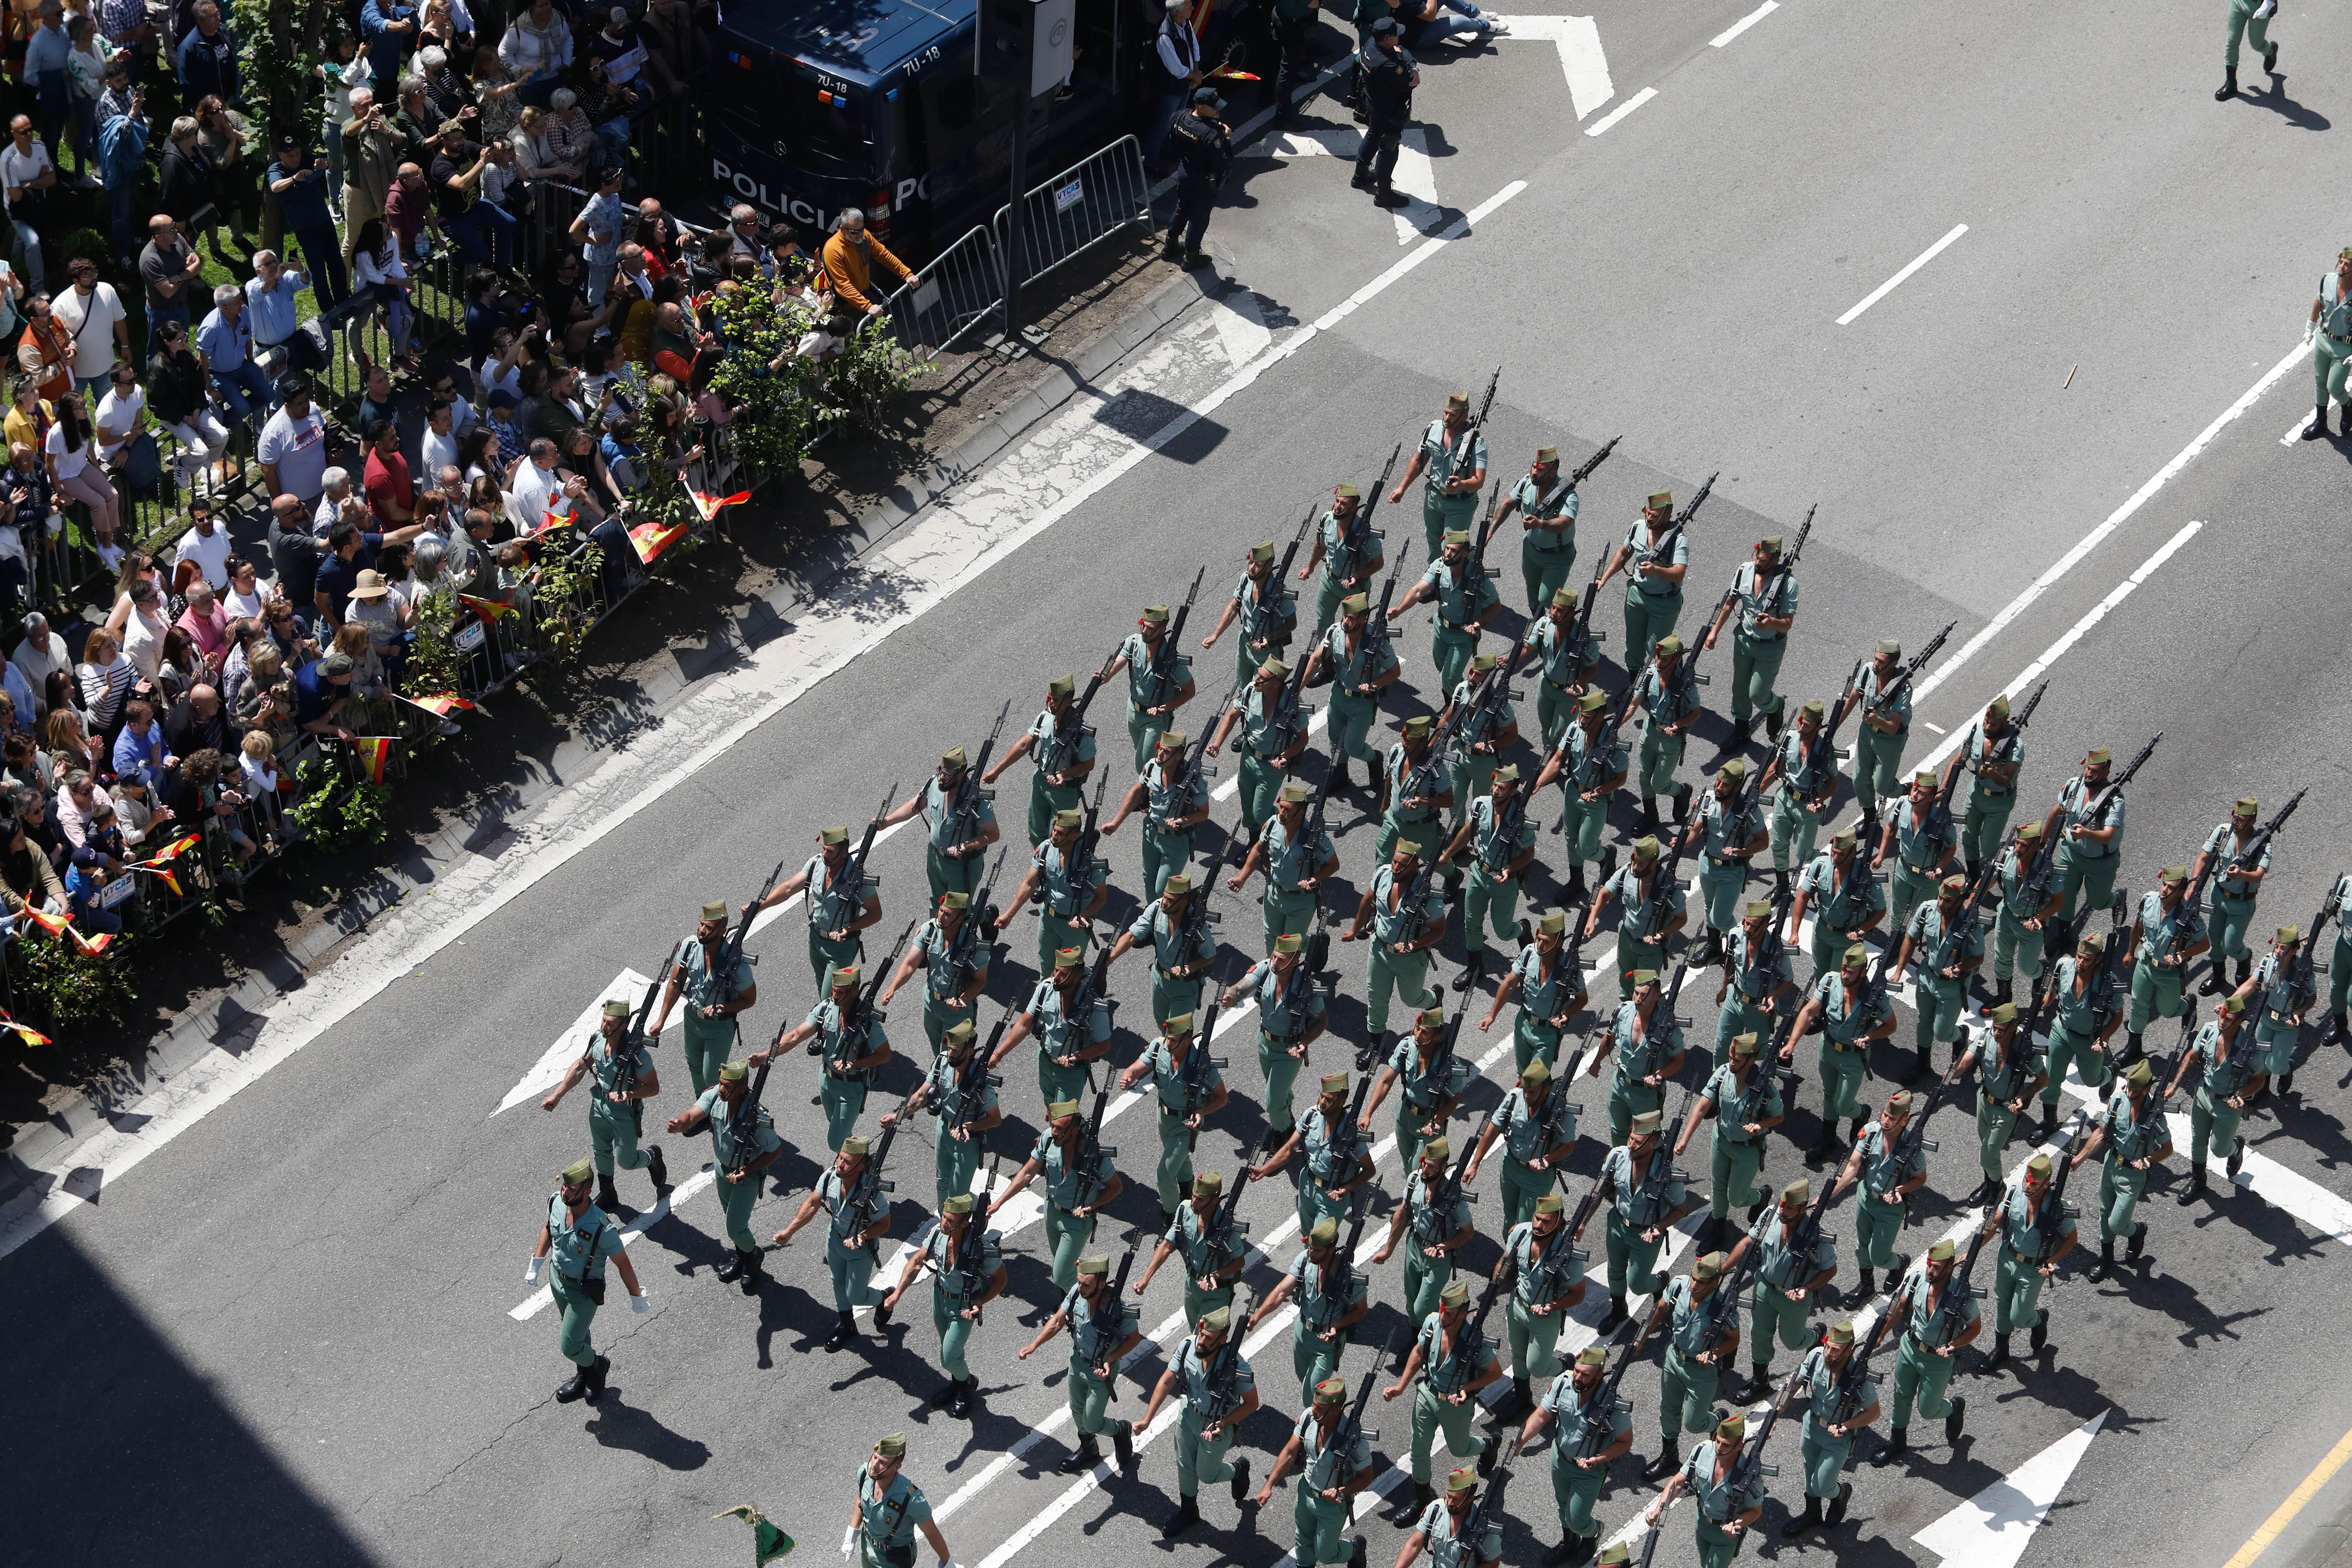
860, 40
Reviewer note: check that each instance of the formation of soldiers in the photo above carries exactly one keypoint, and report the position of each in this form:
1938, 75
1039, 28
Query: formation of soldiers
1456, 796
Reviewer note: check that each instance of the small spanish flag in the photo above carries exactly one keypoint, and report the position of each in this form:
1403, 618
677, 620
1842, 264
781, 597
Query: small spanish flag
548, 523
710, 506
768, 1542
91, 946
171, 852
373, 751
441, 704
1227, 73
651, 539
492, 611
56, 926
169, 879
31, 1036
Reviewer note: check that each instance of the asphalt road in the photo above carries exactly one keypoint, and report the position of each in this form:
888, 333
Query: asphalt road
286, 1337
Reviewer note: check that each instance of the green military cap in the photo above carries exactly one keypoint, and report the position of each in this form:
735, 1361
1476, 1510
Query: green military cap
1800, 1191
1661, 500
1842, 1333
1438, 1149
2006, 1013
2027, 832
2090, 946
1645, 848
1217, 1320
1262, 551
1482, 662
1899, 1102
1411, 846
1456, 1293
2099, 757
1592, 701
1856, 956
2038, 1166
1062, 686
957, 1033
714, 910
1923, 776
956, 1202
1334, 1083
2235, 1006
1998, 707
1942, 1251
1325, 1232
1743, 1044
952, 757
1813, 709
1207, 1181
955, 899
1641, 977
577, 1173
1173, 740
1276, 668
1288, 941
2345, 254
1419, 724
1061, 1107
1645, 1124
1508, 774
1546, 454
1613, 1554
1156, 614
1844, 838
1734, 770
1669, 645
2285, 934
733, 1072
1331, 1391
1732, 1428
1592, 1356
1181, 1024
1547, 1203
2141, 1075
1889, 646
1758, 909
1457, 402
857, 1143
2248, 806
1710, 1266
1564, 597
836, 833
1457, 536
615, 1007
1071, 817
893, 1447
1770, 545
1295, 793
2173, 874
1347, 492
844, 976
1537, 1070
1461, 1479
1552, 922
1432, 1016
1955, 883
1180, 884
1069, 957
1094, 1263
1355, 605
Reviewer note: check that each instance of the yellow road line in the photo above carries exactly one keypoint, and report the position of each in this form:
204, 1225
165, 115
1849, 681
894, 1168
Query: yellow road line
2283, 1515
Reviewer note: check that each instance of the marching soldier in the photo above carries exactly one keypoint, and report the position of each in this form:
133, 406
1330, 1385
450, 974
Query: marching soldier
622, 1071
2032, 1243
1219, 1393
1653, 588
1332, 1299
2136, 1139
1063, 745
1175, 799
2251, 21
1834, 1416
1645, 1039
1102, 1331
888, 1511
853, 1234
1449, 1364
713, 1001
1438, 1230
1847, 899
836, 911
2009, 1072
1590, 773
954, 966
961, 821
1936, 1323
1273, 737
2080, 1027
1429, 1089
1744, 1102
1725, 1505
851, 1046
966, 1276
1651, 908
2090, 844
1565, 662
2331, 313
1537, 1125
1790, 1268
1213, 1258
1158, 682
1457, 618
1727, 832
1456, 474
1593, 1437
1076, 884
2025, 910
1065, 1044
1994, 753
2167, 936
1841, 1004
1764, 596
740, 1148
1439, 1529
1669, 706
1807, 782
1330, 1477
1548, 984
1404, 930
1081, 1180
1647, 1198
1168, 1062
1484, 734
1924, 841
1296, 867
2236, 886
1886, 726
1500, 840
2272, 998
1702, 1336
1887, 1176
1415, 789
579, 1238
1547, 512
1328, 1178
1359, 666
2228, 1067
1939, 976
1760, 980
1547, 1278
1267, 611
1290, 1007
967, 1112
1350, 556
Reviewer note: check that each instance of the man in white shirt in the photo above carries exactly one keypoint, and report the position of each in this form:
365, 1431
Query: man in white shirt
335, 489
440, 444
206, 544
121, 414
537, 489
41, 652
92, 311
292, 450
27, 176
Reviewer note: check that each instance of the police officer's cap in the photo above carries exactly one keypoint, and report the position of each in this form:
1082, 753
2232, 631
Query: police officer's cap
1325, 1233
1178, 1026
734, 1072
1384, 25
577, 1173
1206, 98
1331, 1391
616, 1008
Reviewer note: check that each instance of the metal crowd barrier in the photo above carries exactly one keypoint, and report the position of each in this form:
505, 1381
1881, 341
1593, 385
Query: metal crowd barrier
961, 287
1080, 208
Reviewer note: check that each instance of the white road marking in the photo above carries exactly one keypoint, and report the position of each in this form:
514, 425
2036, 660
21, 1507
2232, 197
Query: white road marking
1622, 110
2294, 433
548, 1071
2312, 1206
1884, 290
1583, 61
1241, 325
1416, 180
1741, 25
1938, 728
1992, 1529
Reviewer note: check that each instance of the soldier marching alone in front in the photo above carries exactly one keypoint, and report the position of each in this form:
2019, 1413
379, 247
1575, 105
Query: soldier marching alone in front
713, 1001
888, 1511
1174, 800
855, 1223
742, 1146
581, 1238
1102, 1332
621, 1072
1764, 597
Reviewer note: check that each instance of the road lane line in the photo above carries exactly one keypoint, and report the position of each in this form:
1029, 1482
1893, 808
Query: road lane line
1884, 290
2297, 1501
1741, 25
1622, 110
2296, 433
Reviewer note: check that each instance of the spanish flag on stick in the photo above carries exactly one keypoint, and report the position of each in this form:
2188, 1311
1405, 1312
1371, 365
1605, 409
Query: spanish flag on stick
491, 611
373, 751
710, 506
441, 704
651, 538
31, 1036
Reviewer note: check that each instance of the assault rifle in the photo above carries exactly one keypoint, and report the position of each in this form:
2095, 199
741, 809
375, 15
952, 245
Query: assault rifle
2017, 721
1446, 1193
1376, 626
1584, 469
963, 810
743, 1122
974, 1080
1359, 527
731, 951
1467, 443
1346, 1141
859, 1205
1228, 1236
1473, 575
2222, 864
1088, 1165
1748, 1470
1902, 678
1116, 1298
2094, 805
972, 1253
1062, 747
969, 940
1486, 1513
855, 879
1789, 565
1224, 1371
2303, 977
1198, 1062
1352, 1426
636, 1034
1164, 660
1664, 547
857, 1023
1957, 1290
1850, 1384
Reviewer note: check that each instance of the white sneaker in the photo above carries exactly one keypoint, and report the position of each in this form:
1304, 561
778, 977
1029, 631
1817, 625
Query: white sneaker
1497, 28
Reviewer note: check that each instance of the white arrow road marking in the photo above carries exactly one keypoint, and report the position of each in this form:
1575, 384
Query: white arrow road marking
549, 1070
1991, 1529
1416, 181
1741, 25
1582, 60
1241, 325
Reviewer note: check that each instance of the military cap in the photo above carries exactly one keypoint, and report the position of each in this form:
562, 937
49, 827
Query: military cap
1438, 1149
857, 1143
1325, 1233
1062, 686
1508, 774
1732, 1428
1942, 1251
2235, 1006
1645, 848
1419, 724
1217, 1320
1288, 941
952, 757
2171, 873
1173, 740
2039, 1166
2098, 757
2290, 933
1432, 1016
1856, 956
956, 1202
1734, 770
1899, 1102
1800, 1191
1770, 545
1347, 492
578, 1173
1710, 1266
1410, 847
2027, 832
1547, 1203
1331, 1391
955, 899
957, 1033
1955, 883
1094, 1263
2090, 945
2004, 1013
1537, 1070
1842, 1333
1592, 1356
1461, 1479
844, 976
615, 1007
1592, 701
1181, 1024
733, 1072
1207, 1181
2345, 254
1355, 605
1661, 500
1262, 551
1758, 909
1482, 662
1923, 776
1813, 709
1456, 1293
1890, 647
2141, 1075
714, 910
1457, 402
1061, 1107
1295, 793
1334, 1083
1564, 597
1546, 454
1274, 668
1457, 536
1641, 977
1844, 838
1068, 957
1670, 645
1744, 1044
1156, 614
1180, 884
893, 1447
1998, 707
1647, 1124
1552, 922
1070, 817
2247, 808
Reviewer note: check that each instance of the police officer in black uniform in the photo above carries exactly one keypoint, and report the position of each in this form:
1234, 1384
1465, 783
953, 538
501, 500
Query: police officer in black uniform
1389, 76
1205, 146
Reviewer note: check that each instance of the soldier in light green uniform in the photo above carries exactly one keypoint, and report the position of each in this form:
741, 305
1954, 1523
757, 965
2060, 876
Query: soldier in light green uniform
1350, 556
1403, 931
2331, 310
1295, 859
960, 822
1590, 764
952, 952
713, 1001
1841, 1003
1994, 753
1593, 1434
961, 1093
1764, 596
1430, 1087
1267, 611
1702, 1322
1081, 1180
1887, 1176
2028, 901
1806, 774
1360, 663
1290, 1007
1486, 730
2009, 1072
890, 1509
1175, 799
856, 1223
2079, 1027
1461, 608
1727, 832
2136, 1139
1941, 947
1102, 1331
1547, 982
1334, 1461
1456, 470
1219, 1393
1547, 1280
2167, 936
1646, 1196
621, 1074
1836, 1412
1188, 1092
740, 1151
1566, 657
1075, 878
1338, 1159
1066, 1043
1645, 1047
1760, 980
1415, 789
1547, 512
1332, 1299
1063, 744
850, 1045
1669, 707
2228, 1068
1449, 1364
2236, 885
1886, 726
967, 1273
836, 911
1937, 1321
1158, 681
1500, 842
1440, 1527
2251, 20
1744, 1104
2031, 1242
1924, 841
1535, 1123
1273, 721
1654, 587
1650, 909
2089, 834
579, 1238
1844, 896
1725, 1505
1174, 929
1212, 1249
1794, 1260
2277, 1007
1429, 1226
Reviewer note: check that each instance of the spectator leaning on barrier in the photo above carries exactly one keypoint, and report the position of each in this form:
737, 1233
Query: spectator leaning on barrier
126, 448
850, 255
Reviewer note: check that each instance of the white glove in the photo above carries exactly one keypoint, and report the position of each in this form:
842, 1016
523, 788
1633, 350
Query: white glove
640, 1302
2266, 10
849, 1540
530, 1271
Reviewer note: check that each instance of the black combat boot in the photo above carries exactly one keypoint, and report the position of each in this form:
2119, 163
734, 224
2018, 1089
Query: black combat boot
1521, 1402
1836, 1515
1387, 197
1241, 1482
2241, 970
733, 1269
2227, 90
845, 1328
1487, 1453
606, 1198
2049, 1124
1772, 722
2000, 992
1999, 1353
2317, 429
2106, 1263
882, 1312
1898, 1443
960, 1398
2237, 1158
1615, 1319
1470, 970
1864, 1289
2270, 58
1576, 888
2039, 1335
752, 1272
1669, 1460
2196, 1188
596, 1372
1810, 1518
657, 1168
574, 1388
1649, 814
1084, 1458
2138, 1242
1339, 780
1123, 1443
1952, 1422
1187, 1515
1855, 1130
